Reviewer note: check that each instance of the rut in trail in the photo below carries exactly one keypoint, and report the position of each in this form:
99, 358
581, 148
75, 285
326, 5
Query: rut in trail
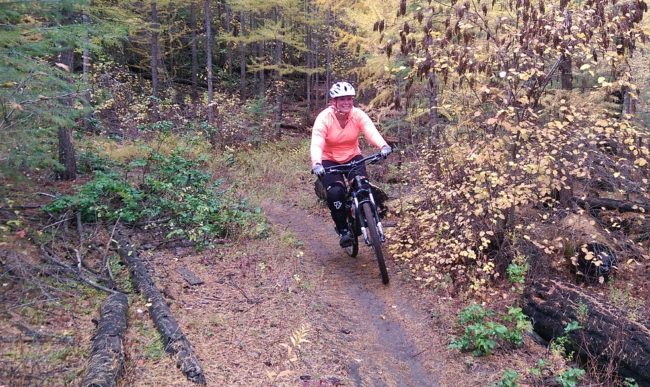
381, 322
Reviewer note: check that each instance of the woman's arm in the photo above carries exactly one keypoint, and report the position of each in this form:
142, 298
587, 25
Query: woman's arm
370, 130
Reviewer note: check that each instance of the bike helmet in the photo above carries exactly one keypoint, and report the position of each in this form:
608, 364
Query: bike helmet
342, 89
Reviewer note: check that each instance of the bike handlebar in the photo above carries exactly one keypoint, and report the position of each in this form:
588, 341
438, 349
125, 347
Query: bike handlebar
345, 168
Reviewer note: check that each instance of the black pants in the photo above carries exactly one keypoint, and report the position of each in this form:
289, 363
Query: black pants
335, 188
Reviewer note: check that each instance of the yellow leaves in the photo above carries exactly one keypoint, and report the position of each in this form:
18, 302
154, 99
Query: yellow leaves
641, 162
585, 66
8, 84
603, 82
297, 338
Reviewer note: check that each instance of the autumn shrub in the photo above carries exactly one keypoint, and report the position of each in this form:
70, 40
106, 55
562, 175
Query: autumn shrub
514, 152
470, 200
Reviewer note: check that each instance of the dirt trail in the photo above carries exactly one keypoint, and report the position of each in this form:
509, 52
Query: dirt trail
243, 320
383, 326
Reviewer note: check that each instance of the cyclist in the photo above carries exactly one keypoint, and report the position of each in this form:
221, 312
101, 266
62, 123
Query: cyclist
334, 141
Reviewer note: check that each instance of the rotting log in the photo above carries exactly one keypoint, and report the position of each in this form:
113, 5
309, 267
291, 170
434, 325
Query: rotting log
606, 334
175, 341
106, 361
613, 204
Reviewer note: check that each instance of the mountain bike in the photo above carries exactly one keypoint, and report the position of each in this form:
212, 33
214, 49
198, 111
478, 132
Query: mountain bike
361, 208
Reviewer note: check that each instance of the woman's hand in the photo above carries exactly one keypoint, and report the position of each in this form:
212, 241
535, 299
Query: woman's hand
385, 151
318, 169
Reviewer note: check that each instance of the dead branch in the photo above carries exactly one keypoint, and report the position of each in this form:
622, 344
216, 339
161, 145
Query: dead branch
105, 263
55, 223
75, 274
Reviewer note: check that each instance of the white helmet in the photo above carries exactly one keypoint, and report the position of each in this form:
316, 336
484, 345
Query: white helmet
342, 89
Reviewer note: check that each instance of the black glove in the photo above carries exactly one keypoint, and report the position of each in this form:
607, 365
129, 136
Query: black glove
385, 151
318, 169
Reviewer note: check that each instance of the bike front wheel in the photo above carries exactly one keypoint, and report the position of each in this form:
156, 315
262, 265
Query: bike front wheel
373, 233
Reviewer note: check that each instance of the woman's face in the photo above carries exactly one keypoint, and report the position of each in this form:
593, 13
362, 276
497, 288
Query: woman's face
343, 104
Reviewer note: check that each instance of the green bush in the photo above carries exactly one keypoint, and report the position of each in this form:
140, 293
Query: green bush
106, 196
570, 377
174, 193
517, 270
482, 337
509, 378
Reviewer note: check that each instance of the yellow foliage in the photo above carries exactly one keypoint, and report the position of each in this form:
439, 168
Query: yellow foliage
454, 219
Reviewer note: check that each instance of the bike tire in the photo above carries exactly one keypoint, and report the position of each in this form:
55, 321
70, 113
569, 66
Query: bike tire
373, 233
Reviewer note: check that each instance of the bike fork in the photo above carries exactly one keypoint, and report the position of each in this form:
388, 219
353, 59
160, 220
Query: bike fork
380, 228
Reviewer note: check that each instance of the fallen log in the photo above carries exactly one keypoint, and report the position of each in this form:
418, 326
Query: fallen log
606, 334
106, 355
613, 204
176, 343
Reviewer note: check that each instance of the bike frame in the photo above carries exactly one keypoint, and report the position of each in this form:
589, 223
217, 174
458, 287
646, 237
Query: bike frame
358, 192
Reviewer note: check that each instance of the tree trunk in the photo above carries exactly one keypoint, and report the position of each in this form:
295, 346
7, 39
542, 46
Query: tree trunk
155, 27
328, 56
175, 342
310, 58
195, 54
228, 45
433, 109
566, 74
279, 89
261, 57
67, 155
106, 362
242, 57
208, 54
629, 105
85, 71
85, 56
605, 336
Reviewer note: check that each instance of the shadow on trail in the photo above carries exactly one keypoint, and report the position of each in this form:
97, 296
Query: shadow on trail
379, 319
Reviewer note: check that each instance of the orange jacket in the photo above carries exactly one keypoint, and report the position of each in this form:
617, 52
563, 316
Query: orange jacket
331, 142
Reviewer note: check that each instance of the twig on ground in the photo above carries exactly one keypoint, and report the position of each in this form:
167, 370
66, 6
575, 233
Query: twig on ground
79, 276
80, 229
55, 223
46, 194
105, 262
248, 299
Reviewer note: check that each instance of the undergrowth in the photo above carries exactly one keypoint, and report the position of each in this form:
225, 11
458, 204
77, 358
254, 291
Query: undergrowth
484, 330
171, 192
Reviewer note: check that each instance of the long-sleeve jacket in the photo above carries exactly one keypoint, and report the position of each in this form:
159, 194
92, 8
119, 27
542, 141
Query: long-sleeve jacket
331, 142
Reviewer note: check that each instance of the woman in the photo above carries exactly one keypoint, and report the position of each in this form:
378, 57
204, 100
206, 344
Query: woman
335, 140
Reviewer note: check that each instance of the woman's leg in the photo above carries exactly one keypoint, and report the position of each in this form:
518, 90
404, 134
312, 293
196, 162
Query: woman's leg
335, 191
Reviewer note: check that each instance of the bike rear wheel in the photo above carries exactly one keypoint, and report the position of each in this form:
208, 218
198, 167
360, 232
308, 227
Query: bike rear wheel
373, 233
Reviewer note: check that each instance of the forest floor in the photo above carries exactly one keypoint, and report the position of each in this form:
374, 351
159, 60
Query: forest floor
294, 309
291, 309
287, 309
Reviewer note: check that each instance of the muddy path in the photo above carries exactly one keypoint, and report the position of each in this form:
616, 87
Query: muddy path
382, 323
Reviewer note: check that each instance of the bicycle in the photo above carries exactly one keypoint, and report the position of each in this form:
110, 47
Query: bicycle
363, 216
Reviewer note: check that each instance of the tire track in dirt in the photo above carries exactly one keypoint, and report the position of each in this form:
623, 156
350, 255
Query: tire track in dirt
380, 321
